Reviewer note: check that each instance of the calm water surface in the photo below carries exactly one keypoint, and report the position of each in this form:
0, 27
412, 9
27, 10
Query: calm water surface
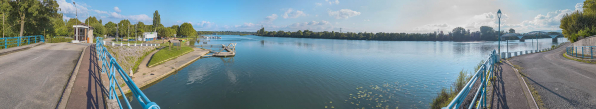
298, 73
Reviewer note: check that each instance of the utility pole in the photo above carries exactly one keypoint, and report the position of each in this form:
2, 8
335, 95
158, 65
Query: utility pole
2, 25
128, 33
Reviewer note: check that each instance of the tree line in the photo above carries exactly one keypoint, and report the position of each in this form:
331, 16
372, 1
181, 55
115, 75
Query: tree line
225, 32
578, 25
486, 33
41, 17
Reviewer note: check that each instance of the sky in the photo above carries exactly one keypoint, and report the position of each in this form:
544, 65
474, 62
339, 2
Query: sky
410, 16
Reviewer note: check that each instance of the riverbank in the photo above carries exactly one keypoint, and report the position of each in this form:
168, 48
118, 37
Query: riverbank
147, 76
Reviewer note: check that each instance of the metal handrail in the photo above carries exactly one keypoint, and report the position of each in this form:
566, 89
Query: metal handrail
111, 67
485, 69
573, 51
21, 40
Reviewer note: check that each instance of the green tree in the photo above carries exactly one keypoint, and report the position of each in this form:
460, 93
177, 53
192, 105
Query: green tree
123, 27
98, 29
110, 28
487, 33
511, 30
156, 19
70, 23
166, 32
187, 30
458, 33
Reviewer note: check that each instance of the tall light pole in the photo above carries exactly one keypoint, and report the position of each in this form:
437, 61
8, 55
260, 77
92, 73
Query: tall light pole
76, 17
499, 15
117, 35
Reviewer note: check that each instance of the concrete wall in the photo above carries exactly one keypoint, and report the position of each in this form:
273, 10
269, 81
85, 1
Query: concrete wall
589, 41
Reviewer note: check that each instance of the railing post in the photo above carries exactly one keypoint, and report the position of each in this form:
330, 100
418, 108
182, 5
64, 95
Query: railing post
28, 40
591, 56
583, 56
19, 41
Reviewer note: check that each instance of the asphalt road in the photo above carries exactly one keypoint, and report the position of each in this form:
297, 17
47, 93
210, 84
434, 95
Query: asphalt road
35, 78
562, 83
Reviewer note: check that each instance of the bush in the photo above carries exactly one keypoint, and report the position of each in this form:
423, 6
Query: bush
447, 95
59, 39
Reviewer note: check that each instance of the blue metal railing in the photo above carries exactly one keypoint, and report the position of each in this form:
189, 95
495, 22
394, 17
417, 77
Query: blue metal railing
485, 69
111, 67
7, 42
573, 51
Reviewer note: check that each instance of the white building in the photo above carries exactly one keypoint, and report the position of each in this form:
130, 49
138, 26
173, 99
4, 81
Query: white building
149, 36
83, 33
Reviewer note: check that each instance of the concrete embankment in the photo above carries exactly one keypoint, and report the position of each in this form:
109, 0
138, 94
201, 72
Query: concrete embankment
150, 75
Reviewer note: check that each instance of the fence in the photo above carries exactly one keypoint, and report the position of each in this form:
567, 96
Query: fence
133, 44
111, 67
584, 52
19, 41
485, 69
505, 55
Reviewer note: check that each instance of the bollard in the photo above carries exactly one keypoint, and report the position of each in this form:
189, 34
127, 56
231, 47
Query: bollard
120, 43
127, 44
135, 44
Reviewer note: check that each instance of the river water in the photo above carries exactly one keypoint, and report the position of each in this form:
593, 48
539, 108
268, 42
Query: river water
303, 73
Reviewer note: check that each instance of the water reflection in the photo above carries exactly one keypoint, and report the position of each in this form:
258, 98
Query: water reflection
272, 72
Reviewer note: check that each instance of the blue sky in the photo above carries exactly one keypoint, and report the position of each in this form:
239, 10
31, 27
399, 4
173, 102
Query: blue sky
331, 15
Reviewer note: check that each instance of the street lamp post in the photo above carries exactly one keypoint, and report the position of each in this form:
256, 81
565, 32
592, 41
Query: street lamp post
499, 15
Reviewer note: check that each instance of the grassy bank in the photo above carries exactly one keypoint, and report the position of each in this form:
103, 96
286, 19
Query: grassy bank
166, 54
59, 39
448, 94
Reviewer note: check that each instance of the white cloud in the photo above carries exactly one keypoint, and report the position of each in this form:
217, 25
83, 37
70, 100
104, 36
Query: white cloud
135, 18
332, 2
343, 13
434, 27
317, 23
100, 12
117, 9
270, 18
204, 24
579, 6
69, 10
550, 21
291, 13
367, 20
245, 25
319, 4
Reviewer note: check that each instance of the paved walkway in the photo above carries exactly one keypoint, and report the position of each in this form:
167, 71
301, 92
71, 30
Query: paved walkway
88, 90
146, 76
35, 78
561, 83
508, 91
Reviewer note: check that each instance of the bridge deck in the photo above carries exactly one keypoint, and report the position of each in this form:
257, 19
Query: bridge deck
35, 78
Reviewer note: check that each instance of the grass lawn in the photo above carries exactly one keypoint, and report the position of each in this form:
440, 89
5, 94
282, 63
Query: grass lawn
166, 53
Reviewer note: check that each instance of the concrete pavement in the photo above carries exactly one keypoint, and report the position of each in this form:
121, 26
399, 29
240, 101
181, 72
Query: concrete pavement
508, 92
35, 78
561, 83
88, 91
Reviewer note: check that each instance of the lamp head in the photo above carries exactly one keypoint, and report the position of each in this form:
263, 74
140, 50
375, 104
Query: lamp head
499, 13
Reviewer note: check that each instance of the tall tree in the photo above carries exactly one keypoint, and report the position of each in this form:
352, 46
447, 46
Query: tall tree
156, 19
110, 28
511, 30
123, 27
187, 30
